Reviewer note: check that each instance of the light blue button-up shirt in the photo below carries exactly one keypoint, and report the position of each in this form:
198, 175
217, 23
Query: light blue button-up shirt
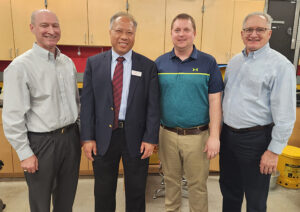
260, 89
127, 65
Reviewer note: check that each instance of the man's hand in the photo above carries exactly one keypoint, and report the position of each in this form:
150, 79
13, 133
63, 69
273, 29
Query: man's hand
89, 147
30, 164
212, 147
268, 162
147, 148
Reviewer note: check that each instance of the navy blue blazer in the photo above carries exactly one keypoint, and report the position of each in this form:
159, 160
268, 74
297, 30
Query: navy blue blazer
143, 109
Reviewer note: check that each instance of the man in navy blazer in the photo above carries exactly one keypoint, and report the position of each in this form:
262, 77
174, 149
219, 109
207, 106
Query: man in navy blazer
136, 133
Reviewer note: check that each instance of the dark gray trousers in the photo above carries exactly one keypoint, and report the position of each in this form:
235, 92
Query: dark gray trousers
58, 156
240, 155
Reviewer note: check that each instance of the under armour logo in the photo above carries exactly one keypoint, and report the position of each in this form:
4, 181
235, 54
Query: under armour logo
195, 69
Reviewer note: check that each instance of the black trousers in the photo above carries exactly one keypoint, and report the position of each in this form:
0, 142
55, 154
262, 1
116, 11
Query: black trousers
240, 155
106, 169
58, 162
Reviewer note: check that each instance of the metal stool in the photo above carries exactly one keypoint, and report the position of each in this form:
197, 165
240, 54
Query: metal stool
160, 192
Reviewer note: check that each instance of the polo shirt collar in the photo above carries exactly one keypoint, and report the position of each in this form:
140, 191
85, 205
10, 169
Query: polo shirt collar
44, 53
193, 55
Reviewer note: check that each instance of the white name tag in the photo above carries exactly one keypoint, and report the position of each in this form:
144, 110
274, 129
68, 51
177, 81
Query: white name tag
136, 73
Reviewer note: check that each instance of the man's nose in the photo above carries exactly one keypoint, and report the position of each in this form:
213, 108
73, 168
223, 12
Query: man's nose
50, 30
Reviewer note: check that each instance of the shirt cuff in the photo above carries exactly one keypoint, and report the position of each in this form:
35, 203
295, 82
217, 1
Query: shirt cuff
276, 146
25, 153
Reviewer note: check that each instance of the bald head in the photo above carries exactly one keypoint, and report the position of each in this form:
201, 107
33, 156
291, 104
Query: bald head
45, 26
36, 13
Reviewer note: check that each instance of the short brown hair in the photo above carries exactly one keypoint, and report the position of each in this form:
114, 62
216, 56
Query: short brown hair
185, 17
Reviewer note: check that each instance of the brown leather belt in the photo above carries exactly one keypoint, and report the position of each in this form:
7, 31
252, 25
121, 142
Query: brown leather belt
186, 131
255, 128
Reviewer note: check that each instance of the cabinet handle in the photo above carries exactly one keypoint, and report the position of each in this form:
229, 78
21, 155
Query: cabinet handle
92, 38
85, 38
17, 51
10, 53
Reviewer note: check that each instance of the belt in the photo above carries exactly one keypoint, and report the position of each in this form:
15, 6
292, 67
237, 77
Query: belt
186, 131
255, 128
57, 131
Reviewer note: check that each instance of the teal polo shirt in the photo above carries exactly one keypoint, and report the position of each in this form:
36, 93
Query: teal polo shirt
185, 86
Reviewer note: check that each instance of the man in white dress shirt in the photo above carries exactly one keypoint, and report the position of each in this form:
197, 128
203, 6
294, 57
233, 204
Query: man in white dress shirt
41, 108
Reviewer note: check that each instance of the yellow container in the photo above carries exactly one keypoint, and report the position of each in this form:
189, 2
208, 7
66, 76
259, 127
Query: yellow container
289, 167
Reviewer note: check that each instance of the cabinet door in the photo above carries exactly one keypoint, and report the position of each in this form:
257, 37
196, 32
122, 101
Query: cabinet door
217, 29
150, 34
5, 151
241, 9
6, 41
191, 7
72, 16
84, 164
16, 164
99, 14
21, 13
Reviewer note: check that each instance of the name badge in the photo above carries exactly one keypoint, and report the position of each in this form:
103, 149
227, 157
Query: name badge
136, 73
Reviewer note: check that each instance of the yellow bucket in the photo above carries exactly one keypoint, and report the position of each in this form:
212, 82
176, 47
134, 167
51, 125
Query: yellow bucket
289, 167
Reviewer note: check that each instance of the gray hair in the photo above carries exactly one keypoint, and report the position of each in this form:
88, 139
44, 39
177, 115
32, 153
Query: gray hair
34, 13
122, 14
268, 18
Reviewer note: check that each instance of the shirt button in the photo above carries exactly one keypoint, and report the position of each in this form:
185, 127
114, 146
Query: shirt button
110, 126
111, 108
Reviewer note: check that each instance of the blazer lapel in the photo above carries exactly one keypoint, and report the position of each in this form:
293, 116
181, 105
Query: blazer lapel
107, 73
134, 79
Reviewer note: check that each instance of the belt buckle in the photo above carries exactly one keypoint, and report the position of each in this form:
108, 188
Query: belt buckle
62, 130
120, 124
180, 131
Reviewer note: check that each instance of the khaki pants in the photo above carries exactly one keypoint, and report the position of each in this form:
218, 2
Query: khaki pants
183, 154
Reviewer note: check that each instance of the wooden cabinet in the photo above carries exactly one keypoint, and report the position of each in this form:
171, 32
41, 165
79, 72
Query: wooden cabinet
150, 16
18, 171
5, 152
7, 51
21, 13
99, 14
295, 137
72, 15
241, 9
191, 7
217, 29
222, 25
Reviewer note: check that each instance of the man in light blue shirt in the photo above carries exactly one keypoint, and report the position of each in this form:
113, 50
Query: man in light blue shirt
259, 108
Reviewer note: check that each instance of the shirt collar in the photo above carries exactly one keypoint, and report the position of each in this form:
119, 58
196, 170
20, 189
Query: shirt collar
257, 52
44, 53
115, 55
193, 55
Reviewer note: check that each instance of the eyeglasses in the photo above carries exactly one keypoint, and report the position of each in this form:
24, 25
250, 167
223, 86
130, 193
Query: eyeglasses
258, 30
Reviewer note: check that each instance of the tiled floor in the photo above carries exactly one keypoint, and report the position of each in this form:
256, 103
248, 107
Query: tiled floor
14, 194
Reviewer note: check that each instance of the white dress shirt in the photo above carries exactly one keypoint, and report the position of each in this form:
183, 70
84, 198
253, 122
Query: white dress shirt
40, 95
127, 65
260, 88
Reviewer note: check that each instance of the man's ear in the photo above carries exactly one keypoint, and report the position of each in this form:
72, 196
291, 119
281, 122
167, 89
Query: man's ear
31, 27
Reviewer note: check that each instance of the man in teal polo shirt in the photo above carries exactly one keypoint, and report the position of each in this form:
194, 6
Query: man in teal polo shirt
191, 86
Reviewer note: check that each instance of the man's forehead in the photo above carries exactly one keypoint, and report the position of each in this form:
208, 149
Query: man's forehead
46, 17
256, 19
183, 22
